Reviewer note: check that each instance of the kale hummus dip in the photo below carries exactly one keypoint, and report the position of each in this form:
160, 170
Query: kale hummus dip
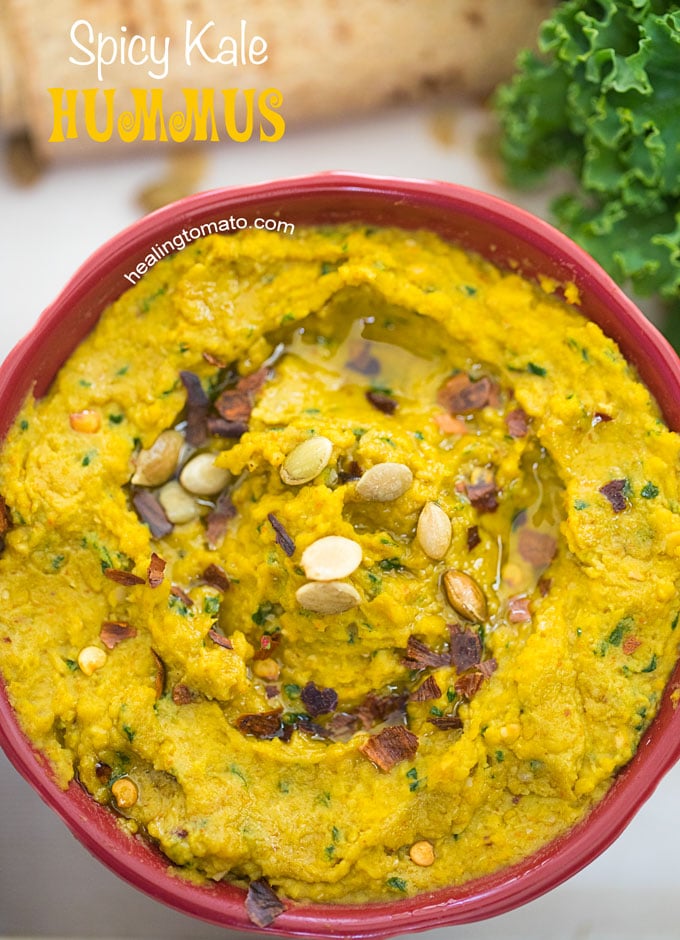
340, 562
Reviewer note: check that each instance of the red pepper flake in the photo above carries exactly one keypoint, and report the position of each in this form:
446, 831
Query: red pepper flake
614, 491
518, 609
599, 417
220, 639
215, 576
427, 690
114, 632
630, 644
268, 643
218, 520
236, 404
469, 683
461, 396
390, 746
378, 708
156, 570
544, 585
446, 722
263, 906
5, 518
177, 591
473, 537
447, 424
318, 701
538, 548
517, 422
465, 647
151, 512
220, 427
483, 495
127, 578
214, 360
102, 771
487, 667
342, 726
282, 537
183, 695
363, 361
382, 402
419, 655
160, 674
197, 407
265, 725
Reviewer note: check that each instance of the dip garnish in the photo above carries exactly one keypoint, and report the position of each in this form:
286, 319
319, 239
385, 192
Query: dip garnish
428, 689
390, 746
197, 408
282, 537
262, 904
156, 570
114, 631
462, 396
126, 578
151, 512
318, 701
615, 492
382, 401
465, 646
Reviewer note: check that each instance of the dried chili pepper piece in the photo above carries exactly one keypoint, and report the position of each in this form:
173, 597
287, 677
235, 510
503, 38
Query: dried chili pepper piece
538, 548
214, 360
615, 493
465, 647
473, 537
517, 422
419, 655
483, 495
518, 610
390, 746
469, 683
342, 726
160, 674
215, 576
263, 905
630, 644
283, 539
236, 404
197, 408
220, 639
427, 690
382, 402
318, 701
218, 520
156, 570
460, 395
126, 578
264, 725
487, 667
183, 695
446, 722
220, 427
363, 361
378, 708
178, 592
151, 512
113, 632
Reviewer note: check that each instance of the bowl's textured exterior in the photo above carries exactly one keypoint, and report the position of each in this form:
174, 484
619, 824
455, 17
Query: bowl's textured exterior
505, 235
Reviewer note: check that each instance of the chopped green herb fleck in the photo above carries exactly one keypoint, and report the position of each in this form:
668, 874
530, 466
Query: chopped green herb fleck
500, 756
72, 664
115, 418
536, 370
23, 424
651, 666
129, 733
390, 564
237, 772
123, 370
436, 711
262, 612
580, 504
58, 561
211, 605
649, 491
674, 622
397, 884
292, 690
329, 852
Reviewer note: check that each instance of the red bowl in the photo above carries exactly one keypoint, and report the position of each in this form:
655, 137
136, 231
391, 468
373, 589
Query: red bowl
502, 233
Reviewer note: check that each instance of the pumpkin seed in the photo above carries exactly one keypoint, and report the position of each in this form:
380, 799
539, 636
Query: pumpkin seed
434, 531
306, 461
201, 477
179, 505
384, 482
331, 558
327, 597
465, 595
157, 463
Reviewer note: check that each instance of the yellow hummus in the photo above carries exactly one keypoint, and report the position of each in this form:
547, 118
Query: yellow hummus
484, 683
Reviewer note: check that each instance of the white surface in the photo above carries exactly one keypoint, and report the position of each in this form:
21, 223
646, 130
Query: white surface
49, 885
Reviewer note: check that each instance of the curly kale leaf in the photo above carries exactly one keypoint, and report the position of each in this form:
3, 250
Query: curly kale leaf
602, 98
